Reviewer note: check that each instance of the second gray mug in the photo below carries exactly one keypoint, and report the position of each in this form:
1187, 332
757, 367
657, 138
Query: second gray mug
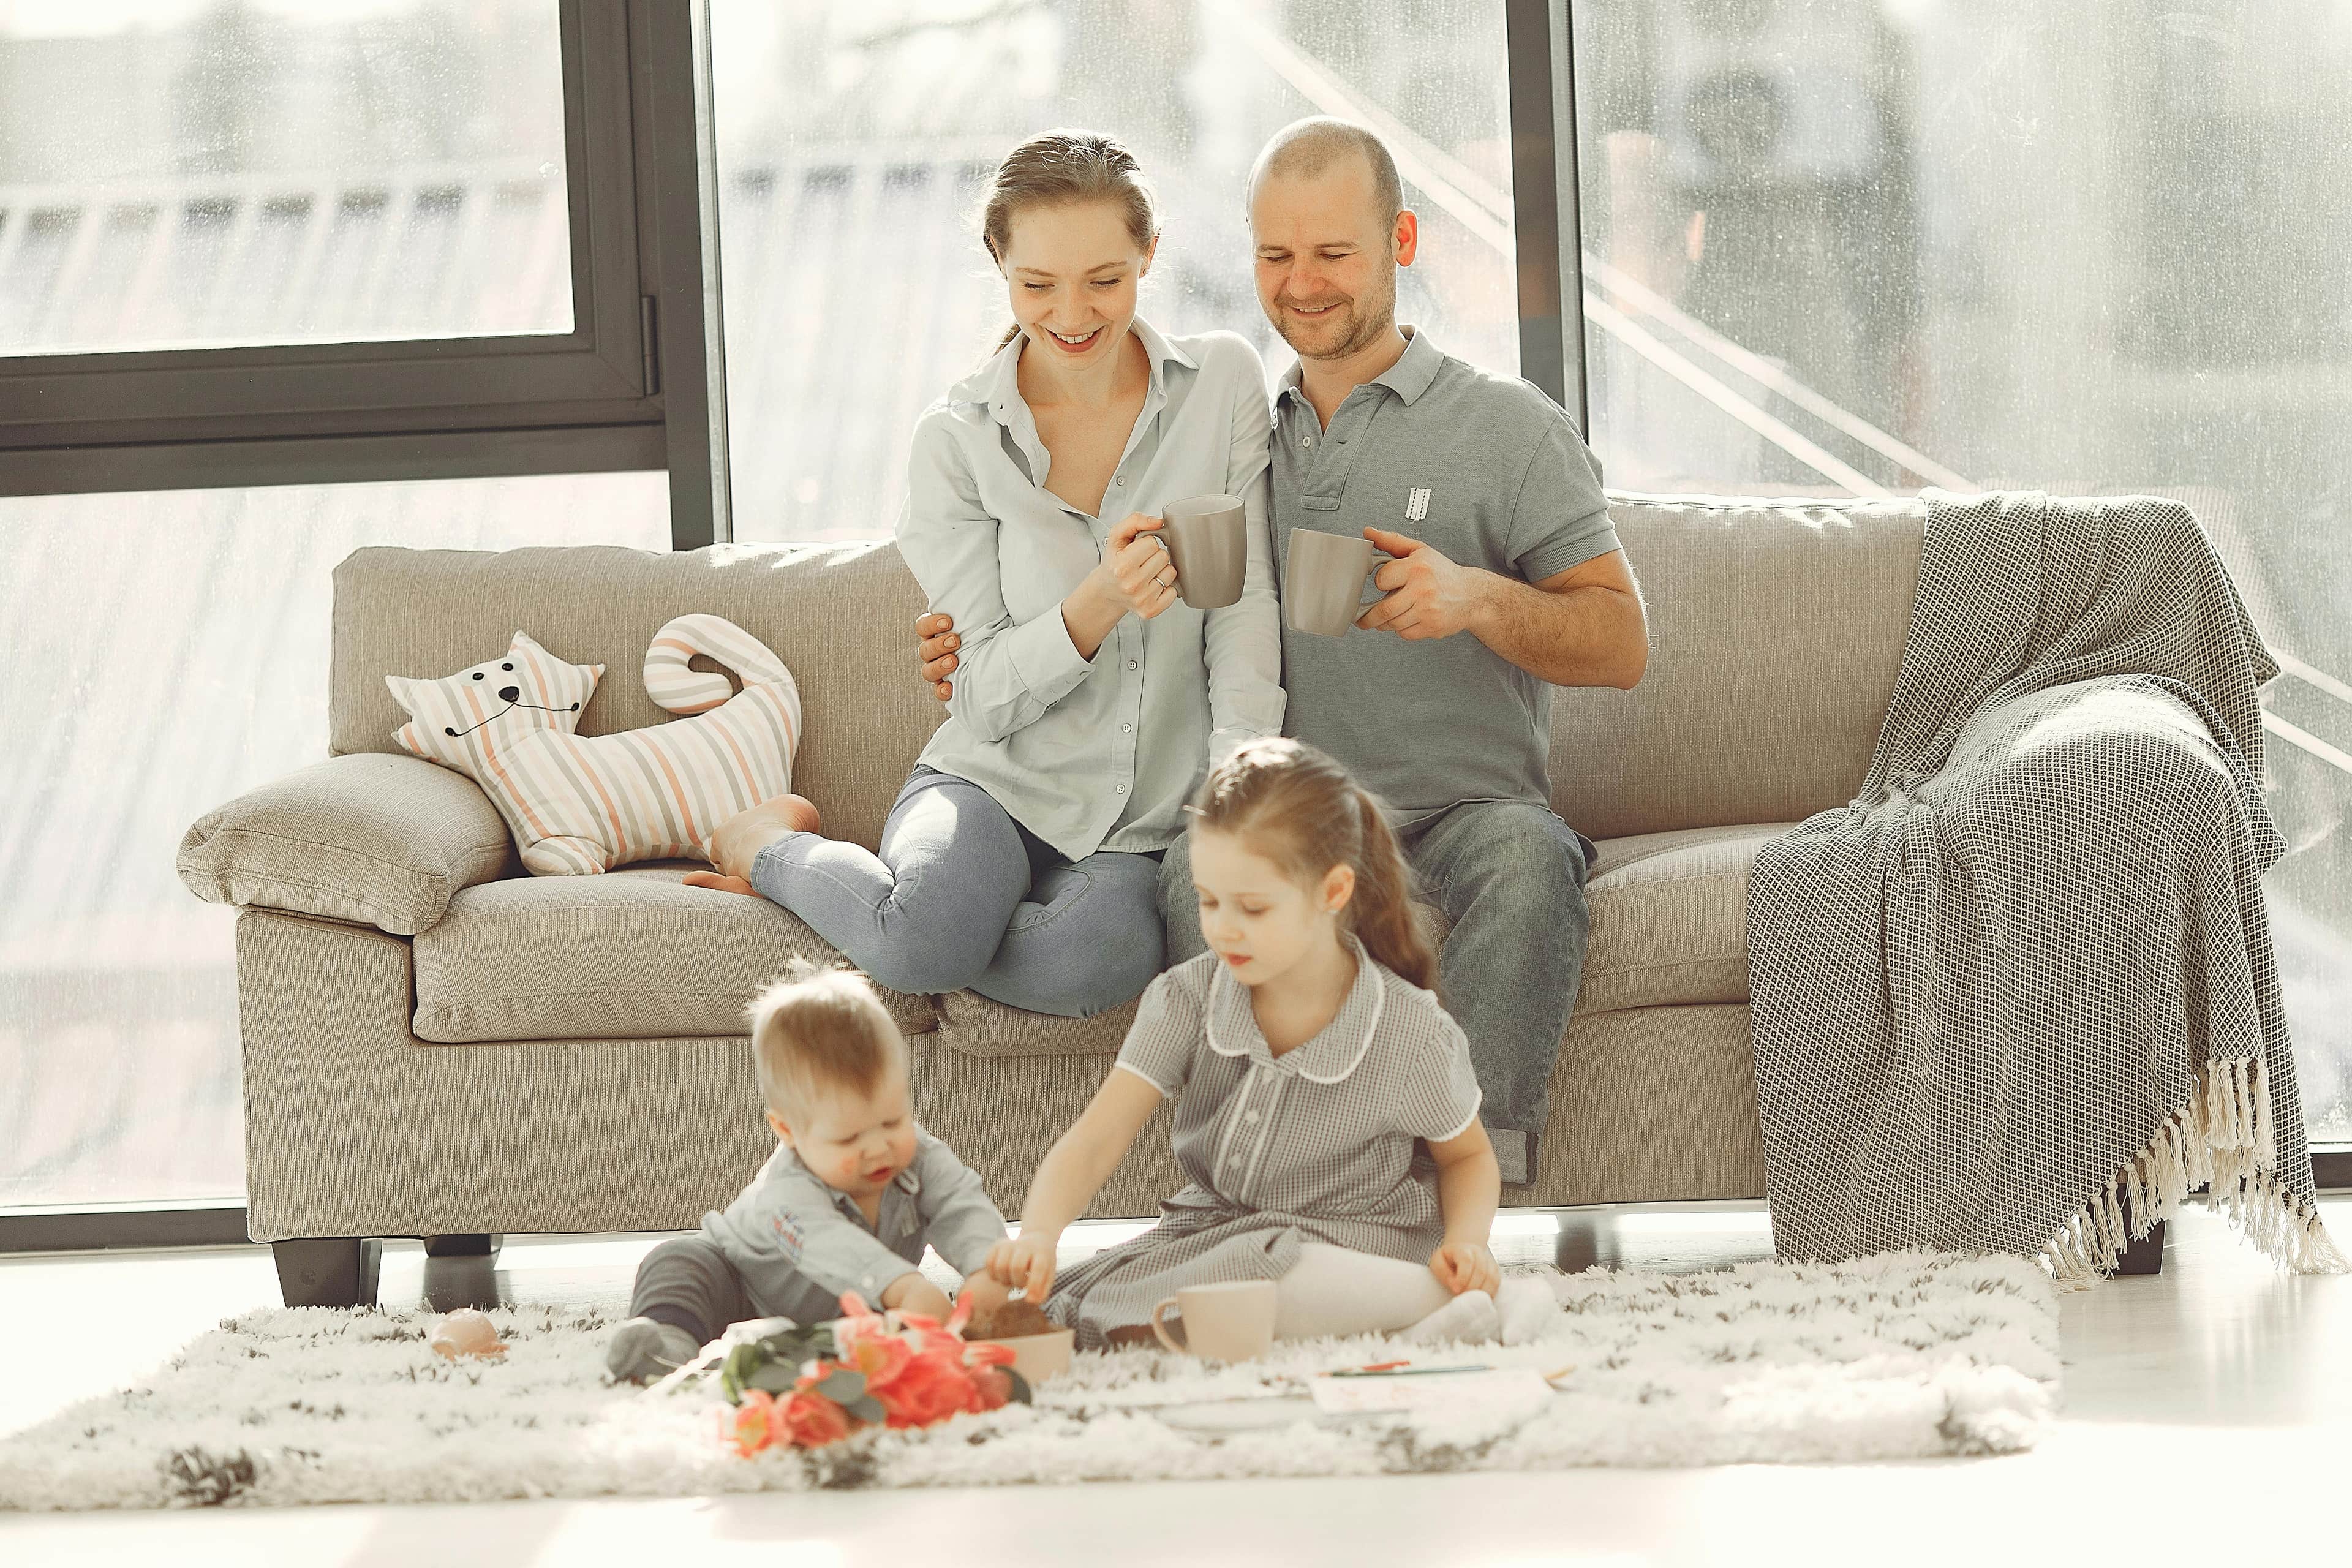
1208, 538
1323, 580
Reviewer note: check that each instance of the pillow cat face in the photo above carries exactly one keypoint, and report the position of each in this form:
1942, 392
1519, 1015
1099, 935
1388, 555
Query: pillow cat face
464, 721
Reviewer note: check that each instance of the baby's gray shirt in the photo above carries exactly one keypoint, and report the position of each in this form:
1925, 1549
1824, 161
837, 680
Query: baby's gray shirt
799, 1244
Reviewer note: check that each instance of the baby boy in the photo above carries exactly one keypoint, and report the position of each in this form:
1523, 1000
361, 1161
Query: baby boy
847, 1202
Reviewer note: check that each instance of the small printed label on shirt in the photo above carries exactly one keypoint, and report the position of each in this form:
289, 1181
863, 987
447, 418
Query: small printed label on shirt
1416, 506
788, 1240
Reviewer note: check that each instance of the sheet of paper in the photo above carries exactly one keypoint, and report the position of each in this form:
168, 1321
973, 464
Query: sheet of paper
1517, 1385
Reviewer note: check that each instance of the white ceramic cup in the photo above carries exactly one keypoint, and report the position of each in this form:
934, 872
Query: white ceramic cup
1232, 1321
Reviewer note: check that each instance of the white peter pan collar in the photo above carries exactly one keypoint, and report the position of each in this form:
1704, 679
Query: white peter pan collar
1335, 1052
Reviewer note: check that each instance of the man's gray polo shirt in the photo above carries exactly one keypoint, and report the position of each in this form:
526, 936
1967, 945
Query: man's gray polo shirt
1490, 471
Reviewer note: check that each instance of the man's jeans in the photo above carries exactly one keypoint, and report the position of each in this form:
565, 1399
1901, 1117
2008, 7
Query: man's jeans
1511, 877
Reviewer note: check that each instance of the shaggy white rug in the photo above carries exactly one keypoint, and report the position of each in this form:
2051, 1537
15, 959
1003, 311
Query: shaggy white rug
1900, 1357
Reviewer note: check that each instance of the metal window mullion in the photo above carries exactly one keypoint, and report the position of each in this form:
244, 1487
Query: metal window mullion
1548, 277
1569, 188
679, 230
1535, 226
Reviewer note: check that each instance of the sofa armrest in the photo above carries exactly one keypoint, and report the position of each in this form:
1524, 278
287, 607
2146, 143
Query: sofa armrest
367, 839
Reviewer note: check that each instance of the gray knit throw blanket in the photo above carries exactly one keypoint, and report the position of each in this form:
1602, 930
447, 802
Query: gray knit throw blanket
2019, 995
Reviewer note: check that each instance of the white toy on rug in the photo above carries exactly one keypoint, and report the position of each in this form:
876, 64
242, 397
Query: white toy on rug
579, 804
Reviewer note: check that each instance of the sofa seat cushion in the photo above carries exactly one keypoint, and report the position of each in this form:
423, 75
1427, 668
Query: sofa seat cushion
631, 954
1670, 918
1669, 928
979, 1026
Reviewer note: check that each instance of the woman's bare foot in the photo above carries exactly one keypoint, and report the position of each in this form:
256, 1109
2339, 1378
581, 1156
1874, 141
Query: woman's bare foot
740, 839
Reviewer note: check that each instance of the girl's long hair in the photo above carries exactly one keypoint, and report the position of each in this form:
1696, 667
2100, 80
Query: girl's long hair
1059, 168
1298, 808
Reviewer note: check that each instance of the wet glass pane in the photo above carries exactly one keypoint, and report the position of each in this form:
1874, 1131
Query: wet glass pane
1857, 246
184, 174
183, 641
854, 143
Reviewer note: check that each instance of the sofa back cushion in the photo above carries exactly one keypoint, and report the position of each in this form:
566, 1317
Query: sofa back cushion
840, 616
1776, 632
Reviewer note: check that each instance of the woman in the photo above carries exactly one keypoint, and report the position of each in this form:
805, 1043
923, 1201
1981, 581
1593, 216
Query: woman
1023, 857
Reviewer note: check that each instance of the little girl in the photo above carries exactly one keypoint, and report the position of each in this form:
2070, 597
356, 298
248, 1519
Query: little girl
1308, 1063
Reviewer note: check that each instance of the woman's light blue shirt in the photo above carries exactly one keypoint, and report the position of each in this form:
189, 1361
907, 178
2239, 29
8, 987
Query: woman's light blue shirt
1100, 753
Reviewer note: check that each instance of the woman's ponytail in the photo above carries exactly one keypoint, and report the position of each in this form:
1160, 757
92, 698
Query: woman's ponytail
1382, 913
1299, 809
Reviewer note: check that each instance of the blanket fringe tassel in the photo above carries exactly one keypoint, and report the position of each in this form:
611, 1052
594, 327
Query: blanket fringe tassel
2222, 1139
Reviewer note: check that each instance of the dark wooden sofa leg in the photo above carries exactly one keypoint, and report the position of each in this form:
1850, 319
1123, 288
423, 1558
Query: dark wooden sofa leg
474, 1246
329, 1271
2145, 1256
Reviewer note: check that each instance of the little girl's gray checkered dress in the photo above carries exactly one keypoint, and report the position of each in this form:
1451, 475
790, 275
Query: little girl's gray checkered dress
1319, 1143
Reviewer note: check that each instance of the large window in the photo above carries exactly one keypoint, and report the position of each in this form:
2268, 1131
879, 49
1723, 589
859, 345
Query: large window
257, 255
286, 171
277, 241
853, 148
449, 257
1858, 246
168, 652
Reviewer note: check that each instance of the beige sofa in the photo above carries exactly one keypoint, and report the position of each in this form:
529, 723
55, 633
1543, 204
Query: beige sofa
438, 1045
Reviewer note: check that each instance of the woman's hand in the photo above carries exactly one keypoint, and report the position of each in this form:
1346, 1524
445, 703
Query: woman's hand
1465, 1266
1137, 571
1024, 1263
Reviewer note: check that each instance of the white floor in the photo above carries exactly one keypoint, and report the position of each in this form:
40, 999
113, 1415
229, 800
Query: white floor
2208, 1410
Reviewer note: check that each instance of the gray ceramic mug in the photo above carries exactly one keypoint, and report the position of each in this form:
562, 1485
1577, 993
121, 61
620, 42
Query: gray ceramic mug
1208, 538
1325, 581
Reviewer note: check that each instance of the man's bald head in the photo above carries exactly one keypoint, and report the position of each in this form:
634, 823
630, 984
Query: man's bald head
1305, 148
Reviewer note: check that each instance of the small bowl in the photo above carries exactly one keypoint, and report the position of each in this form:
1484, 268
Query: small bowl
1037, 1357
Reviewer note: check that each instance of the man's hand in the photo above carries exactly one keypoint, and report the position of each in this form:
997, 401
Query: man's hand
937, 651
1428, 596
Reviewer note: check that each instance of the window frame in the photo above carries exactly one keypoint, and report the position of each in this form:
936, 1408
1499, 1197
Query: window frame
628, 388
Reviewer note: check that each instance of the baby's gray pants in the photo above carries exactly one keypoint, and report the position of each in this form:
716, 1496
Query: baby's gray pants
687, 1283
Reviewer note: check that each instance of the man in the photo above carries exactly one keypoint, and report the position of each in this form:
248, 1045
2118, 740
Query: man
1507, 579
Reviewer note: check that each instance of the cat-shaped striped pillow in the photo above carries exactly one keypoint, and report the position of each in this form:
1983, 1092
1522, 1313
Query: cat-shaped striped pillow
580, 804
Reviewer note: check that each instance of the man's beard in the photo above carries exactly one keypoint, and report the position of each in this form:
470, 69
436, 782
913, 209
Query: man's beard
1360, 333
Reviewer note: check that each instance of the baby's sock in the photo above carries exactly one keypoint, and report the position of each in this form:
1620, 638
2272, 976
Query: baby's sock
1526, 1308
1469, 1317
643, 1350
